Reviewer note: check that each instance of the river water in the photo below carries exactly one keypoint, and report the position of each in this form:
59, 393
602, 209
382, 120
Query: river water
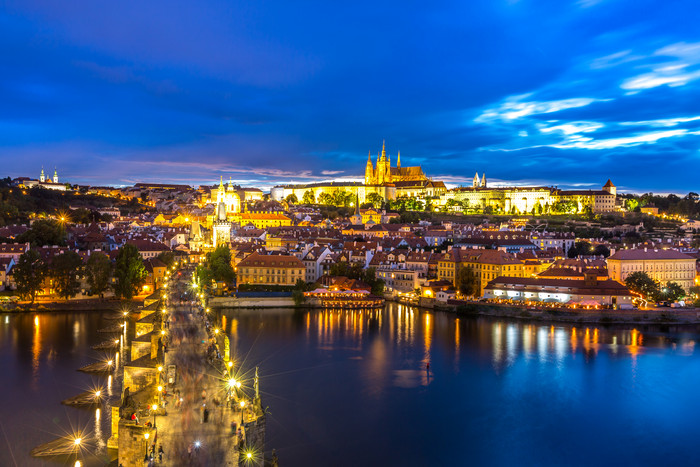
401, 386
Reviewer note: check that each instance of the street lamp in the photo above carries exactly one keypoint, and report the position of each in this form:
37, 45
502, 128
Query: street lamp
154, 407
146, 435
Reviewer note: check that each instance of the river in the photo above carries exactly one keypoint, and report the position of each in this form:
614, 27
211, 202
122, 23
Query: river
401, 386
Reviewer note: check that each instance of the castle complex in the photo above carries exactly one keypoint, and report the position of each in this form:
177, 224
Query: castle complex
411, 182
387, 181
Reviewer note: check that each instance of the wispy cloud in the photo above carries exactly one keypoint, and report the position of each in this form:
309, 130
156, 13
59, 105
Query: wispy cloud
580, 142
662, 122
679, 70
516, 107
572, 128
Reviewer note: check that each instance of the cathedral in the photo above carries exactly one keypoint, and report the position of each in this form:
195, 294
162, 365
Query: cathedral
385, 174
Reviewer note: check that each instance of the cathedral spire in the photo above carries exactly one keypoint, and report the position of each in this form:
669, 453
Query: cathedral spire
398, 160
383, 149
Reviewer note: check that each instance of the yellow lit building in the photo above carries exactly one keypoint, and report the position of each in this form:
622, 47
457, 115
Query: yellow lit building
262, 220
270, 270
485, 264
661, 265
526, 200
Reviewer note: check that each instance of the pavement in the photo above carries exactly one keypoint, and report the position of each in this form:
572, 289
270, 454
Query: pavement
200, 383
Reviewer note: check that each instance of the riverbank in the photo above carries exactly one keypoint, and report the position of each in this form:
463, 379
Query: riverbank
681, 316
87, 304
676, 316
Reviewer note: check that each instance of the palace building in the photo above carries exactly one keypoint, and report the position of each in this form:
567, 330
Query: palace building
525, 200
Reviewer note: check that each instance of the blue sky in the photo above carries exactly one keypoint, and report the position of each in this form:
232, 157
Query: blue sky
533, 92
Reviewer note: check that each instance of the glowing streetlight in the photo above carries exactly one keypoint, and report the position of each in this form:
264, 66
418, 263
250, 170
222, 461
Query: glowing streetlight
110, 363
216, 331
77, 441
160, 368
232, 383
146, 436
97, 394
242, 404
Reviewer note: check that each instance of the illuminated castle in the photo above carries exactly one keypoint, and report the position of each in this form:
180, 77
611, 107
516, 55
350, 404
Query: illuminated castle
385, 174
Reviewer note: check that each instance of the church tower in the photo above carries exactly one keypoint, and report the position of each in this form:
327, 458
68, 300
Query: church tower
383, 174
55, 175
42, 177
221, 192
483, 180
476, 183
369, 171
398, 160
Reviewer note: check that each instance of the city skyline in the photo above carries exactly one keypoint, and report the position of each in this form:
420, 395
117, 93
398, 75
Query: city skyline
547, 94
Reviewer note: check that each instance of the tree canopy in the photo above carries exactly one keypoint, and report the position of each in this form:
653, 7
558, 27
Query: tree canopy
129, 272
308, 197
467, 282
97, 271
44, 232
644, 285
65, 271
29, 274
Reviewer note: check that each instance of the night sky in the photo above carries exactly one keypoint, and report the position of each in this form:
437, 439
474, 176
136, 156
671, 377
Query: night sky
567, 93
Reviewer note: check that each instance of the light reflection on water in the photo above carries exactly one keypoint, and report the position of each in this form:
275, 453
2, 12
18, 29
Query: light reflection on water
496, 391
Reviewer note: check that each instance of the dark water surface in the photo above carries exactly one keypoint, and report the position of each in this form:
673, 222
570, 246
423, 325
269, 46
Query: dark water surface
352, 389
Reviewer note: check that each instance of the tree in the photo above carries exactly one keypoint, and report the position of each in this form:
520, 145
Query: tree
631, 204
167, 257
694, 294
308, 197
644, 285
376, 200
369, 276
129, 272
673, 291
466, 282
44, 232
325, 198
219, 263
298, 293
601, 250
65, 269
29, 274
292, 199
203, 276
97, 270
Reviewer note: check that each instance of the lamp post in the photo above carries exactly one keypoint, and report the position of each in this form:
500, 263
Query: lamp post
146, 435
154, 407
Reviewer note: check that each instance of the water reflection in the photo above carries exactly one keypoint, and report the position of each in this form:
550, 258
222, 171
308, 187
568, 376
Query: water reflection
504, 342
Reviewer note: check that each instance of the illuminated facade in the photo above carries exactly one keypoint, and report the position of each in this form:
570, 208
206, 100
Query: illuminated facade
383, 179
663, 266
527, 200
